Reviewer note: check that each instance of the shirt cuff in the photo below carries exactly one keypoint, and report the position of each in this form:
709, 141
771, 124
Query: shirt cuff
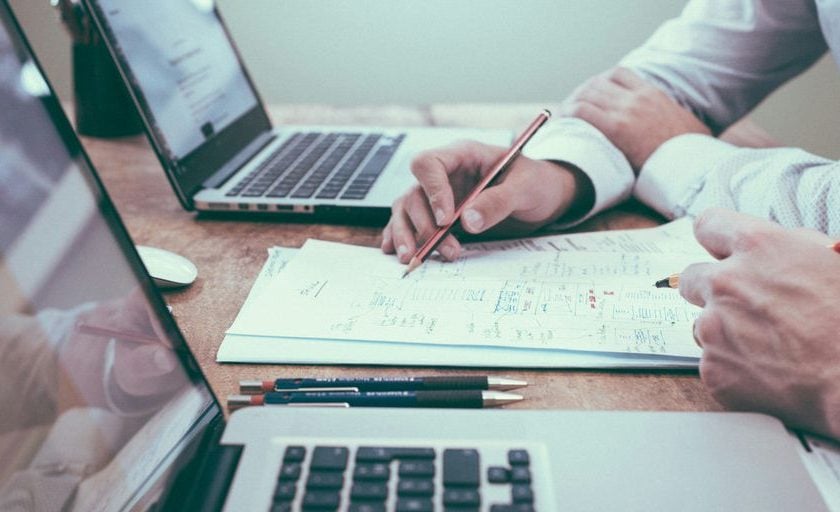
579, 144
675, 173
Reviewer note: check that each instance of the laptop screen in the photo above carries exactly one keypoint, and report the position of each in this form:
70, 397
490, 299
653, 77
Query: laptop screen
98, 393
179, 55
201, 111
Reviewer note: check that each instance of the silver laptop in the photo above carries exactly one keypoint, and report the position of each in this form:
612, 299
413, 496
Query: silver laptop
105, 408
213, 136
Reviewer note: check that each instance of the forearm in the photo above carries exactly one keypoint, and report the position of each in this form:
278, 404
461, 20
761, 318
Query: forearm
789, 186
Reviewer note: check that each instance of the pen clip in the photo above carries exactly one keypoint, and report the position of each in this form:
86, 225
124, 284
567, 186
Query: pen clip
312, 404
346, 389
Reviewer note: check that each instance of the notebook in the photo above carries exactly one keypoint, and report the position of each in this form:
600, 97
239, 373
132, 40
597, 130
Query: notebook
105, 407
213, 136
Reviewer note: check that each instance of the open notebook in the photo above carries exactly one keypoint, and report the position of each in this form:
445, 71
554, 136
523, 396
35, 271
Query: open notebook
579, 300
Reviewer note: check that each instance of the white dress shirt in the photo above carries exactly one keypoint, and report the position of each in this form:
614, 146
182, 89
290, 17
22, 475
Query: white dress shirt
719, 59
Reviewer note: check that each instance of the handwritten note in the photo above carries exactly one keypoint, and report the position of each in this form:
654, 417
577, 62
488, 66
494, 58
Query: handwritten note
589, 292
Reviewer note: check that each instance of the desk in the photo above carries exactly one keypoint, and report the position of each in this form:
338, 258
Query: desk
229, 254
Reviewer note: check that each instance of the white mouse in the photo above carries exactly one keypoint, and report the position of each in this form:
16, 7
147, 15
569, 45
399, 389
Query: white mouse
168, 270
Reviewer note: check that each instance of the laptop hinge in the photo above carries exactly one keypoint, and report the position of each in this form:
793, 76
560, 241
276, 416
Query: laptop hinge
203, 484
234, 164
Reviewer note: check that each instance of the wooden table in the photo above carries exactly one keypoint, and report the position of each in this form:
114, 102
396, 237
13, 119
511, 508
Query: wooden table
229, 254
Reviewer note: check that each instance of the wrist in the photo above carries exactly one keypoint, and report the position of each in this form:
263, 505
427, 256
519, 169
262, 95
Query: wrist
577, 193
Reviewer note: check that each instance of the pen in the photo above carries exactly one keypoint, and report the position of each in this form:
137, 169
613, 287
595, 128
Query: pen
135, 337
673, 281
381, 384
467, 398
429, 245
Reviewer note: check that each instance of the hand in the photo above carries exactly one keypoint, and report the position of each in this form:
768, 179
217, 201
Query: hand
634, 115
138, 370
769, 327
531, 193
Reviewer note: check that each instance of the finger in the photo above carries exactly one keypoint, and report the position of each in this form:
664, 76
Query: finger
628, 79
722, 231
387, 240
433, 168
604, 94
420, 216
589, 112
402, 233
695, 283
708, 329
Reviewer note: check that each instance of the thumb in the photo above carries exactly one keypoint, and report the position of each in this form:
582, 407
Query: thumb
488, 209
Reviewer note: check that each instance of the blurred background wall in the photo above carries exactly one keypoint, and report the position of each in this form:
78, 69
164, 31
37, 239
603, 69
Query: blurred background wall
351, 52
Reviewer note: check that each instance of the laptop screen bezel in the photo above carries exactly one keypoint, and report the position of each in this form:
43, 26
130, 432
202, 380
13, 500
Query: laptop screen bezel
187, 174
106, 208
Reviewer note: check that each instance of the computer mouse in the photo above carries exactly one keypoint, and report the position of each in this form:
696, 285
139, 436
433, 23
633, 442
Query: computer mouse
168, 270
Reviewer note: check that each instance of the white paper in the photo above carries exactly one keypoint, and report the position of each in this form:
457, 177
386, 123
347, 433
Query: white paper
551, 299
823, 463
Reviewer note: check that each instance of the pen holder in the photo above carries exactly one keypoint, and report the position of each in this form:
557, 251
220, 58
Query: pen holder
102, 102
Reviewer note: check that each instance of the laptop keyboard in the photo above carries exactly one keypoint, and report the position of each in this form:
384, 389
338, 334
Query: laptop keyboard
402, 479
320, 165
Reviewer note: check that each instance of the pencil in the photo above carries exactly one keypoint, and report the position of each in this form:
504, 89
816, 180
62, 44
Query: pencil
510, 155
673, 281
135, 337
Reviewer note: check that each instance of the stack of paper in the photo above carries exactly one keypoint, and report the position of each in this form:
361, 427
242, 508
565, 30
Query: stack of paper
578, 301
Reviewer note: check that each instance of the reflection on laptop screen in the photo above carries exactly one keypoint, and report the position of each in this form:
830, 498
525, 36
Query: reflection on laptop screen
191, 79
94, 395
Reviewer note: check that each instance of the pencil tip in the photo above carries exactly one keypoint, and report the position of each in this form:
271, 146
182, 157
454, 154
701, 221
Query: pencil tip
662, 283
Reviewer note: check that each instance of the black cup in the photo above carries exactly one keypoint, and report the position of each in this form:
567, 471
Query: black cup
103, 105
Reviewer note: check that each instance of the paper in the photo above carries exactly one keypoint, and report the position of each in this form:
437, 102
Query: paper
556, 294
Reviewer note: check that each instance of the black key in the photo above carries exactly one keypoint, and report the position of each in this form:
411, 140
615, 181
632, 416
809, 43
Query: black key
294, 454
511, 508
285, 491
461, 498
321, 500
331, 480
414, 505
415, 487
520, 475
518, 458
282, 506
521, 494
289, 472
498, 475
461, 468
377, 471
369, 491
387, 454
412, 468
367, 506
329, 458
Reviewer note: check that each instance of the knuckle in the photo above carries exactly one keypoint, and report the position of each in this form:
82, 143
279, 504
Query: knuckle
721, 283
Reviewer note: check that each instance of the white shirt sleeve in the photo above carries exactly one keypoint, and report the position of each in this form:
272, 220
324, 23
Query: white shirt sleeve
790, 186
720, 58
579, 144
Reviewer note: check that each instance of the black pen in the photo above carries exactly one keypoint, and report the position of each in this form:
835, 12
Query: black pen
381, 384
468, 398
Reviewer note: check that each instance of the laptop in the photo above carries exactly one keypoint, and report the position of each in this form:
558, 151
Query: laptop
105, 407
213, 136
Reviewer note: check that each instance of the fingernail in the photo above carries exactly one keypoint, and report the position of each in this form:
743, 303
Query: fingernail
448, 252
473, 220
402, 250
440, 217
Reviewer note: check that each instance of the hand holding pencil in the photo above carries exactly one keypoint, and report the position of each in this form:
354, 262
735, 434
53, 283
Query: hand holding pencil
769, 325
529, 194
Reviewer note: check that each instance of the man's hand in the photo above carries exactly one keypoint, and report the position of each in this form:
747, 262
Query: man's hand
634, 115
531, 193
770, 326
